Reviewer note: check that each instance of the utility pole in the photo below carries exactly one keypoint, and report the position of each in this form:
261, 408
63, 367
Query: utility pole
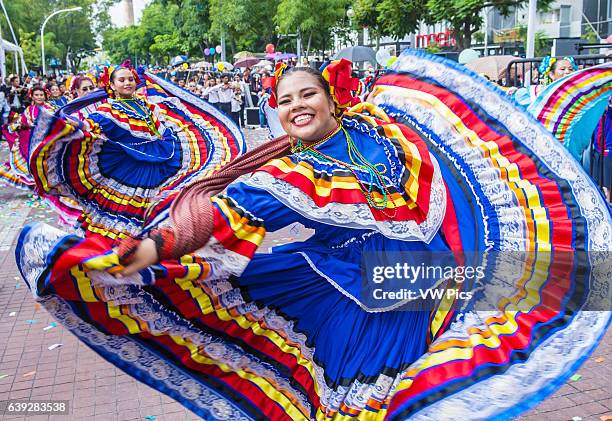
531, 29
223, 46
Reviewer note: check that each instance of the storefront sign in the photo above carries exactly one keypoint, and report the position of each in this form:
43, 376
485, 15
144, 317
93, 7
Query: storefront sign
441, 39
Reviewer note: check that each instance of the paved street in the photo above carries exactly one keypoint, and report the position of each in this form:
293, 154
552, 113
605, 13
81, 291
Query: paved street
98, 391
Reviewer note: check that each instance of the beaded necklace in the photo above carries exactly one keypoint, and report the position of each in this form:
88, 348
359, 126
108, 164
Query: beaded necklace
301, 147
358, 161
148, 117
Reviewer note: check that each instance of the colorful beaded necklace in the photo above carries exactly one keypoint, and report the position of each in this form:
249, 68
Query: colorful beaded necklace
358, 162
148, 117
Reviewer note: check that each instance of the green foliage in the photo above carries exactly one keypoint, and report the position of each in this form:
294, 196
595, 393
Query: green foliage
433, 48
64, 32
313, 19
154, 40
464, 18
101, 19
389, 17
542, 44
246, 24
590, 36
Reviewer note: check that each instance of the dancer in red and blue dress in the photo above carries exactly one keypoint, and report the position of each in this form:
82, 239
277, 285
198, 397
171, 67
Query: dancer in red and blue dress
16, 172
440, 163
115, 159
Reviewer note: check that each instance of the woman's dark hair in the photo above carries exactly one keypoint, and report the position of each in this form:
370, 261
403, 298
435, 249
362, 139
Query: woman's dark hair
315, 73
37, 88
114, 72
50, 85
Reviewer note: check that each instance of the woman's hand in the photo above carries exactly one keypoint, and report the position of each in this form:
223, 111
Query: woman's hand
145, 256
72, 123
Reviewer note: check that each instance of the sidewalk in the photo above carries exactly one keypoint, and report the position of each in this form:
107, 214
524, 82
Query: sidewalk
98, 391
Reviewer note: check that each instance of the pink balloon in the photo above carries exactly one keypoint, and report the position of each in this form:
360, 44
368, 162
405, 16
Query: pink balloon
269, 48
218, 49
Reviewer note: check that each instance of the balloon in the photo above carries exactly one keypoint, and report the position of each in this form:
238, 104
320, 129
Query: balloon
468, 55
185, 66
220, 66
269, 48
391, 61
218, 49
212, 51
206, 52
382, 56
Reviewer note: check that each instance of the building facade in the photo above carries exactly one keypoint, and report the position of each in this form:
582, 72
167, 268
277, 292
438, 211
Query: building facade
504, 34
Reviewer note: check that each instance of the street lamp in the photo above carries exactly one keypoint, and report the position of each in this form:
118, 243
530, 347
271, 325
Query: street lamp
42, 32
299, 41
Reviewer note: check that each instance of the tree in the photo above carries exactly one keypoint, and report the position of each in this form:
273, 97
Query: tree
153, 40
542, 42
246, 24
101, 20
464, 16
192, 23
166, 45
116, 43
388, 17
63, 33
312, 19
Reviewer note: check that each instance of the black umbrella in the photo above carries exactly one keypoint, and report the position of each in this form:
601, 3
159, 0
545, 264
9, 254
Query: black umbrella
357, 54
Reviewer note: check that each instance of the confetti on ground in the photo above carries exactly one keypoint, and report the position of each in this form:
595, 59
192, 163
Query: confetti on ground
576, 377
29, 374
16, 278
600, 360
18, 285
576, 419
51, 326
3, 376
149, 417
36, 306
607, 417
52, 347
12, 314
30, 322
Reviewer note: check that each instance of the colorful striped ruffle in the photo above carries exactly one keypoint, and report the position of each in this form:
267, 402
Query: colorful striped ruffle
71, 162
571, 107
528, 194
192, 330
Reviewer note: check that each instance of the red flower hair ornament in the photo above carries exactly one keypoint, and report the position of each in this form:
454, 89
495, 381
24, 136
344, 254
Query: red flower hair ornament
342, 86
278, 72
338, 74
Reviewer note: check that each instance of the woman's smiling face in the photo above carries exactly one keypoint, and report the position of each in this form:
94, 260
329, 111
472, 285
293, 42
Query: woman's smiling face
305, 108
123, 83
